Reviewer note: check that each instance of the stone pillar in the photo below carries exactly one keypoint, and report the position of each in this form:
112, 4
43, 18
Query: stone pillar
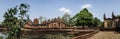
105, 23
113, 23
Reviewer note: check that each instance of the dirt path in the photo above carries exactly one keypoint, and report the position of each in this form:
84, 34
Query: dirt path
106, 35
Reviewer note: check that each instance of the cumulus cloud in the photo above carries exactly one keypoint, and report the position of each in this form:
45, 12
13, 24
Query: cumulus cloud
65, 10
86, 6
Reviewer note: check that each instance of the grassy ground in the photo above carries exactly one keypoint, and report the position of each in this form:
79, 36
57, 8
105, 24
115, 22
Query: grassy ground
106, 35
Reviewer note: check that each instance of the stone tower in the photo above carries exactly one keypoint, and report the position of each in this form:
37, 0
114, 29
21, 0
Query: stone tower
105, 21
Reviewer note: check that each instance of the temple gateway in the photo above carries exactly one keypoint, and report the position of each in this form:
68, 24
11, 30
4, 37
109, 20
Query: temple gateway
111, 22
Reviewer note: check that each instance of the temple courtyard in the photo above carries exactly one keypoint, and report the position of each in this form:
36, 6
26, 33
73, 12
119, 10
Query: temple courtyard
106, 35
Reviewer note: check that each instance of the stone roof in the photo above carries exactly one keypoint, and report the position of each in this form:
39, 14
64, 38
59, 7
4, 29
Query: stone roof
53, 20
36, 21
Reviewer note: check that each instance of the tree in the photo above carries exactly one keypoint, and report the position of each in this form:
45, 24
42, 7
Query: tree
12, 21
41, 19
97, 22
71, 21
23, 9
66, 18
118, 15
83, 18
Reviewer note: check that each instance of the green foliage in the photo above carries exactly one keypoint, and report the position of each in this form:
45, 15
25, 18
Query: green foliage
12, 21
10, 18
71, 21
118, 16
97, 22
66, 18
41, 19
83, 18
23, 9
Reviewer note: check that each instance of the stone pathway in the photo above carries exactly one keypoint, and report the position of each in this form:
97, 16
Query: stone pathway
106, 35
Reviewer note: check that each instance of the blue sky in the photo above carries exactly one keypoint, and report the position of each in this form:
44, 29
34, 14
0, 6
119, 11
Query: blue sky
55, 8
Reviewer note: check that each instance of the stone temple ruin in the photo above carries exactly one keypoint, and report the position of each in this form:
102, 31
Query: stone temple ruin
111, 22
53, 23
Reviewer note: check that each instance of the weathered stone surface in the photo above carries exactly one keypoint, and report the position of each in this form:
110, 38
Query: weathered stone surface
36, 21
53, 23
111, 22
29, 22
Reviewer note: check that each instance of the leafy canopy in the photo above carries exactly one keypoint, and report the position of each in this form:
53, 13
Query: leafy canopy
83, 18
13, 19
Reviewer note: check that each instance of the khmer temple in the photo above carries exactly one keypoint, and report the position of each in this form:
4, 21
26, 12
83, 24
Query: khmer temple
51, 23
111, 22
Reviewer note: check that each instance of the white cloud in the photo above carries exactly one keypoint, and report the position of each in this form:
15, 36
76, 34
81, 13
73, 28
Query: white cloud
86, 6
65, 10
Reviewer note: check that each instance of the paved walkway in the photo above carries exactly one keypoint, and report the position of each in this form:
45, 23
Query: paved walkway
106, 35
